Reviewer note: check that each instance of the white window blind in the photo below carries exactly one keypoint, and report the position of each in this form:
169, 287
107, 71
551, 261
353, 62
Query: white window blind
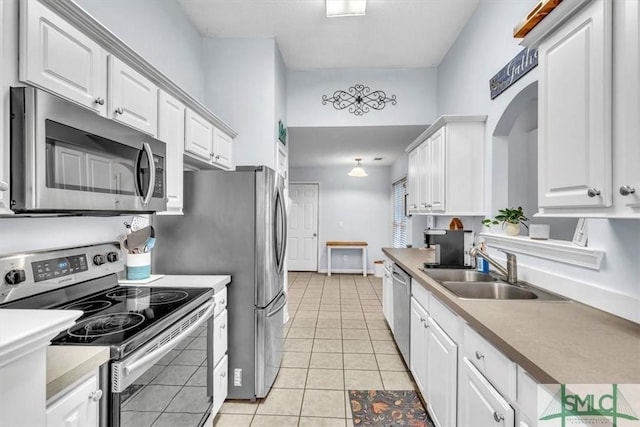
399, 216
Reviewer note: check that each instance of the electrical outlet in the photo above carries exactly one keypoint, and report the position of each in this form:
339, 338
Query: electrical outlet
237, 377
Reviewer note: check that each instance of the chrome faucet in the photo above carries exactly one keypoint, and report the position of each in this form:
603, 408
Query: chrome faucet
510, 273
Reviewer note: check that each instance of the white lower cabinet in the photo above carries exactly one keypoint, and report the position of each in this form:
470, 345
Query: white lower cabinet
220, 336
479, 403
434, 362
220, 384
442, 369
77, 406
418, 345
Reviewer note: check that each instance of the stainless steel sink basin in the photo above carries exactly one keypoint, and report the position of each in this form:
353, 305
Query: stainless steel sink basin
498, 291
445, 275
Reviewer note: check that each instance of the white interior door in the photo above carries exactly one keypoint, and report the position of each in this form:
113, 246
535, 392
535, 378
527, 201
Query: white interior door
303, 228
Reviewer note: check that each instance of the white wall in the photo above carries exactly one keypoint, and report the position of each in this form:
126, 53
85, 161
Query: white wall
351, 209
415, 91
241, 89
161, 33
484, 46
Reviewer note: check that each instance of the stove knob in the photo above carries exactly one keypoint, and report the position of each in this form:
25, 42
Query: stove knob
112, 256
13, 277
99, 260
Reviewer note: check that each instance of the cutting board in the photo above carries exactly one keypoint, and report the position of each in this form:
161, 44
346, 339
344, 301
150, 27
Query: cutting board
536, 15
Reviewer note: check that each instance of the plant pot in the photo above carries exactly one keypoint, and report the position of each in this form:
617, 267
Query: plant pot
512, 229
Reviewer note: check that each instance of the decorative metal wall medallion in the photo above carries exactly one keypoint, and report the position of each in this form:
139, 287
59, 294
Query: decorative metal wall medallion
359, 99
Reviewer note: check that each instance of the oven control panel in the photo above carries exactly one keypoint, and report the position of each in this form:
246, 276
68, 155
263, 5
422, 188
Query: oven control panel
51, 268
26, 274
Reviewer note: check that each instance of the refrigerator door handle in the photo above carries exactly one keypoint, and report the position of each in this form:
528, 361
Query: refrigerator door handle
278, 306
283, 232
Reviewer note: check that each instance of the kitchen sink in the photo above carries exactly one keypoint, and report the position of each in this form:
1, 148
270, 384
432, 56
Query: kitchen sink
445, 275
497, 290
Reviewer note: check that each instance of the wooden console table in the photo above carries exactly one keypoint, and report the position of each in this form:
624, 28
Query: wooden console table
347, 245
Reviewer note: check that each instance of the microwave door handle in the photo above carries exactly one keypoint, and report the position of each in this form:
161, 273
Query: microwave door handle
152, 173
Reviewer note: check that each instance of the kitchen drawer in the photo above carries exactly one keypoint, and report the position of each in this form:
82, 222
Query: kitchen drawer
496, 367
219, 336
421, 295
220, 385
445, 318
220, 301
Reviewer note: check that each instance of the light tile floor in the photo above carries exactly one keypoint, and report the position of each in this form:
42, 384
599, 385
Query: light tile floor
336, 340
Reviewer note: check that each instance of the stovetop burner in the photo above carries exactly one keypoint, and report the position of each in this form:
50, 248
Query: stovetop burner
105, 324
124, 293
168, 297
89, 306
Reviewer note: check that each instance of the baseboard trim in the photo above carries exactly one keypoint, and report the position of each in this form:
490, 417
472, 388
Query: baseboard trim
346, 271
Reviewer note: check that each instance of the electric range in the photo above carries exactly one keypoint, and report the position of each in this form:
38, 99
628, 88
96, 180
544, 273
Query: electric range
140, 325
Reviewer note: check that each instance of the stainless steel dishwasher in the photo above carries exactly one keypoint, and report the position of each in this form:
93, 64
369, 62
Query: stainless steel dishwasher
401, 310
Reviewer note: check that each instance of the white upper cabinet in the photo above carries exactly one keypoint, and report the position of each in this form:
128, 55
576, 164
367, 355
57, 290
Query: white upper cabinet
626, 189
198, 136
574, 107
171, 119
133, 99
222, 149
57, 57
413, 181
446, 167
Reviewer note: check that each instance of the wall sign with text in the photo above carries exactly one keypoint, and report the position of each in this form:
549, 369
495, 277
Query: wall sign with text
520, 65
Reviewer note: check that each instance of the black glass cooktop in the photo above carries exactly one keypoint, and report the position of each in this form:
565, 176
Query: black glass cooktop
115, 316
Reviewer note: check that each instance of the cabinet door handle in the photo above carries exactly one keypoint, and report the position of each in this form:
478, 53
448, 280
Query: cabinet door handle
498, 416
96, 395
593, 192
119, 110
479, 355
626, 190
99, 100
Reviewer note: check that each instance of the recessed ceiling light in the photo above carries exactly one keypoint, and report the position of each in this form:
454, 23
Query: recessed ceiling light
337, 8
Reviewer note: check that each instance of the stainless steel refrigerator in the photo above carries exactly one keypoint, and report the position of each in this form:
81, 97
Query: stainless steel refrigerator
235, 223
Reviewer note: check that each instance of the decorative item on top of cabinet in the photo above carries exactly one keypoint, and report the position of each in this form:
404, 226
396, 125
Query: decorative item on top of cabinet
446, 168
171, 119
58, 57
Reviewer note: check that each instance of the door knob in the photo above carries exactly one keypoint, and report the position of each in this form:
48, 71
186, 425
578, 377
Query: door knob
592, 192
625, 190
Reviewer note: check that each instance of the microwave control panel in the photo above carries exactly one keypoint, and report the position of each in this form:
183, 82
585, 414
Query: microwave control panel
51, 268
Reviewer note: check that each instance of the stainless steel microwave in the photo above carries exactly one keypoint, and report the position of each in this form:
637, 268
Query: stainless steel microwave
65, 158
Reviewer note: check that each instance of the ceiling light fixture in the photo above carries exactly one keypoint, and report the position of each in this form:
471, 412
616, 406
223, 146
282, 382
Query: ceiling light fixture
358, 171
346, 8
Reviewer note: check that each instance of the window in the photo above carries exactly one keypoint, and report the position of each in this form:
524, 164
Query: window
399, 217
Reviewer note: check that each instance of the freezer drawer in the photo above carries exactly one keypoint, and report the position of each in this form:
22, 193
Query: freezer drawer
270, 344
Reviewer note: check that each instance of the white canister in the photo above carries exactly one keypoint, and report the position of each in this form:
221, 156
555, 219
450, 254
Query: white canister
539, 231
138, 266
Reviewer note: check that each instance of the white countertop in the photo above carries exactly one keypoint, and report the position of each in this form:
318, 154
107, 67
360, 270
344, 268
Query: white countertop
217, 282
24, 331
67, 364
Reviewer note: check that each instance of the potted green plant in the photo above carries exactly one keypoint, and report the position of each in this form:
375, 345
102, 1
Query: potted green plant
510, 219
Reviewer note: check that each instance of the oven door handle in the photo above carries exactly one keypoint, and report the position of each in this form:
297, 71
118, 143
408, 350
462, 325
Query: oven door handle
163, 349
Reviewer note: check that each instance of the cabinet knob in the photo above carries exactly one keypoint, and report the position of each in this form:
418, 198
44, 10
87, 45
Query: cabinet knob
223, 375
4, 186
421, 320
424, 205
96, 395
412, 206
217, 157
223, 302
592, 192
498, 416
119, 110
426, 325
625, 190
223, 326
100, 101
479, 355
